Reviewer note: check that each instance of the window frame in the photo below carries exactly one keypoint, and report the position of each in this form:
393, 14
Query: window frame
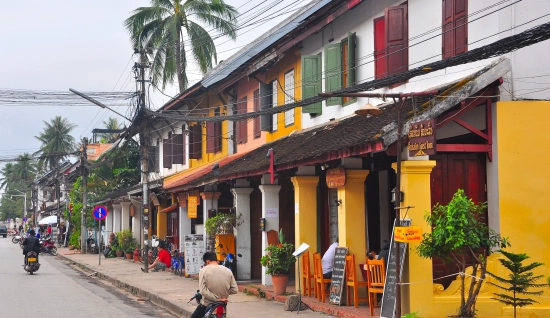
290, 99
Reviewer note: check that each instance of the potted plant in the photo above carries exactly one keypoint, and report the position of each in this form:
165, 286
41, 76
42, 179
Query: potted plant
127, 243
278, 263
115, 245
458, 233
74, 240
221, 228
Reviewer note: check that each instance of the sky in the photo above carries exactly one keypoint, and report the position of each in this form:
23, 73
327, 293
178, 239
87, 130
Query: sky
51, 46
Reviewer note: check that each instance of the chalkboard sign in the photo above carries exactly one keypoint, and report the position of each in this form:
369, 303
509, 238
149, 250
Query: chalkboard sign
387, 309
338, 281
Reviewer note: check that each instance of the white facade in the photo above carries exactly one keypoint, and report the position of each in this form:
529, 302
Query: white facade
425, 46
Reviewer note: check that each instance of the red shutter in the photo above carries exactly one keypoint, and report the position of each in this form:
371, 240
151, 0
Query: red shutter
397, 39
177, 149
380, 59
455, 27
167, 153
218, 139
242, 129
210, 137
184, 145
197, 145
257, 131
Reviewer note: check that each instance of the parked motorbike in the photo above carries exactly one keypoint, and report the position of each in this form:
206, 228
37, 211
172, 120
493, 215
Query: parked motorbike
47, 246
31, 262
17, 239
216, 309
229, 261
92, 247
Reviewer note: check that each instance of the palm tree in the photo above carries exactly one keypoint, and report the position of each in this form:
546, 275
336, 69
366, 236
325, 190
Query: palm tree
7, 173
57, 143
162, 25
25, 168
111, 123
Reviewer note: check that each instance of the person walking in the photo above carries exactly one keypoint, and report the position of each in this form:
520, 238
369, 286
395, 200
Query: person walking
216, 283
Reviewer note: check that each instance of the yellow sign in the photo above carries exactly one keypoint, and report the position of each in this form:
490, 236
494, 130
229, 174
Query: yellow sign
407, 234
192, 207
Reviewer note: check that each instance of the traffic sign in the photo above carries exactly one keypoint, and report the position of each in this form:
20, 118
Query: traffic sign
100, 212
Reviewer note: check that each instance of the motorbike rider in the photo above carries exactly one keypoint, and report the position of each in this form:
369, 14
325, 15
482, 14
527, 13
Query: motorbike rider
31, 243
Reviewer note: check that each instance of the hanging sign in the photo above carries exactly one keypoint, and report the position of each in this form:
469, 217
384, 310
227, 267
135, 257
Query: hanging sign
407, 234
336, 177
422, 138
192, 202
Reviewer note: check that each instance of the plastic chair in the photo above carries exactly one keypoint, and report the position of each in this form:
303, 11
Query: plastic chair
376, 276
320, 281
306, 275
352, 282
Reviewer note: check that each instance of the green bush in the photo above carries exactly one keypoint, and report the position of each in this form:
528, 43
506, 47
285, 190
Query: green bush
74, 240
126, 241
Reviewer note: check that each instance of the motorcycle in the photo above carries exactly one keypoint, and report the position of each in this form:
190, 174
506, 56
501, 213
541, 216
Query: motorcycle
17, 238
216, 309
31, 262
92, 247
230, 261
47, 246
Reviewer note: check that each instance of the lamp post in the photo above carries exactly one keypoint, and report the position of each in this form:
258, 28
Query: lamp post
373, 111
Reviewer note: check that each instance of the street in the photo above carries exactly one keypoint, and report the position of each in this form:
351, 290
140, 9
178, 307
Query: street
58, 290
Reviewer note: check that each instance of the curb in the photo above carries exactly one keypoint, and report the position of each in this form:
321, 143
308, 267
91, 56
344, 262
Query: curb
173, 308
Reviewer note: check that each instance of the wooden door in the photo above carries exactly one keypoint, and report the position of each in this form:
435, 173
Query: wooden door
455, 171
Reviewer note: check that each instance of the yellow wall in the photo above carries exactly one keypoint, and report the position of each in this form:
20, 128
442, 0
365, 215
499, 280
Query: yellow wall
292, 60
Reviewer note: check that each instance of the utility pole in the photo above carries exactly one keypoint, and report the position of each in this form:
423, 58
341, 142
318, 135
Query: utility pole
34, 198
144, 149
84, 169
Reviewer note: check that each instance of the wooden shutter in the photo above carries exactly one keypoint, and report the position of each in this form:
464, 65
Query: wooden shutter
311, 82
333, 72
195, 141
275, 103
184, 144
455, 27
218, 139
257, 131
397, 39
153, 159
380, 59
167, 153
210, 137
242, 127
351, 59
266, 121
177, 149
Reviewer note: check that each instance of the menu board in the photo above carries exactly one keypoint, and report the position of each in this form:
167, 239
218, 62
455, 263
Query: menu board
338, 281
193, 249
387, 308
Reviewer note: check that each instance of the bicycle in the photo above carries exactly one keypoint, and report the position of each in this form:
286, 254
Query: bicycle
177, 263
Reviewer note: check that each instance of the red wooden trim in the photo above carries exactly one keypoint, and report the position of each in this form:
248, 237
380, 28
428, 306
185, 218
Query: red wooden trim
471, 128
462, 148
170, 208
489, 118
445, 118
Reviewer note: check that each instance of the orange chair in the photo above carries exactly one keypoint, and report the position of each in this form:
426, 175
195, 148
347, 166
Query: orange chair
306, 275
321, 291
352, 282
376, 277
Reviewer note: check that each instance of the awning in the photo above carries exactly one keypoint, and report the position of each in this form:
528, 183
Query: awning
170, 208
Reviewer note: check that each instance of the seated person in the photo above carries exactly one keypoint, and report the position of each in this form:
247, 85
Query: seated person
384, 254
163, 261
327, 261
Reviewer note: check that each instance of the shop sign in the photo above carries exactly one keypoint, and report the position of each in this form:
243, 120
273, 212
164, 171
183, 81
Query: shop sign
132, 210
182, 199
336, 177
192, 202
407, 234
422, 138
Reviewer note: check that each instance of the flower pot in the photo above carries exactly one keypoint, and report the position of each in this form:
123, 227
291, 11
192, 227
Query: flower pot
119, 254
279, 283
129, 255
71, 247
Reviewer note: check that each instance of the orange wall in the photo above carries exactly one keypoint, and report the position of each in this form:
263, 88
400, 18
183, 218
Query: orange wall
246, 88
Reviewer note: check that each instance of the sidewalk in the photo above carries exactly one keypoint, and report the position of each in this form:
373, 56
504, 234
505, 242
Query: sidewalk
172, 292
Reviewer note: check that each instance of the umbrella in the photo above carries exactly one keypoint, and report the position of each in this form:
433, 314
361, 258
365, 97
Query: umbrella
48, 220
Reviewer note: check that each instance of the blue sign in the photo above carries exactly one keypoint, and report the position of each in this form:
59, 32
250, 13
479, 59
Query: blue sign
24, 219
100, 212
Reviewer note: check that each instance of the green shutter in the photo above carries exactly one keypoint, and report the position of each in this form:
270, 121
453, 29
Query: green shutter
311, 82
333, 72
351, 59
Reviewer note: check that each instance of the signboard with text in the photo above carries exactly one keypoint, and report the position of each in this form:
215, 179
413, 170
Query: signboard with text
422, 138
192, 203
338, 280
407, 234
336, 177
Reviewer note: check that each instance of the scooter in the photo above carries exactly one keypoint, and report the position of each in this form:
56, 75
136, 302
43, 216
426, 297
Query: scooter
216, 309
31, 262
230, 261
47, 246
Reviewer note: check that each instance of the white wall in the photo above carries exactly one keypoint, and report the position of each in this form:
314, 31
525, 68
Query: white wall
165, 172
426, 15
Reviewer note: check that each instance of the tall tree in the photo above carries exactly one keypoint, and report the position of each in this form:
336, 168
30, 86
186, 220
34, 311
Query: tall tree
25, 168
7, 173
57, 143
163, 26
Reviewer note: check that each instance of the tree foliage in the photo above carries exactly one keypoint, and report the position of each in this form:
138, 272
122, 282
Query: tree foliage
459, 233
519, 281
57, 142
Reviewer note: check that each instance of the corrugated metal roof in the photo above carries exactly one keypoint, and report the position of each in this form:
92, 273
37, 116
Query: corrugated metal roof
264, 41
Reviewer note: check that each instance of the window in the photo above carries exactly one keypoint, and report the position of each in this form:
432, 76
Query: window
178, 157
455, 27
391, 41
340, 68
167, 152
195, 141
311, 82
153, 158
242, 128
214, 134
275, 103
265, 100
289, 97
257, 131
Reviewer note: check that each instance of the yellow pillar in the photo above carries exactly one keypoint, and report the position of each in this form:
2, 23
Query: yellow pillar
161, 223
305, 214
351, 216
415, 184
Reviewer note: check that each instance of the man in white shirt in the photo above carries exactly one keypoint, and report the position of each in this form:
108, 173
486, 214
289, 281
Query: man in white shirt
327, 261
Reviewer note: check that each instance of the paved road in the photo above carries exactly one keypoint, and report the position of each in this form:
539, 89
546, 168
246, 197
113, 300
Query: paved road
57, 290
